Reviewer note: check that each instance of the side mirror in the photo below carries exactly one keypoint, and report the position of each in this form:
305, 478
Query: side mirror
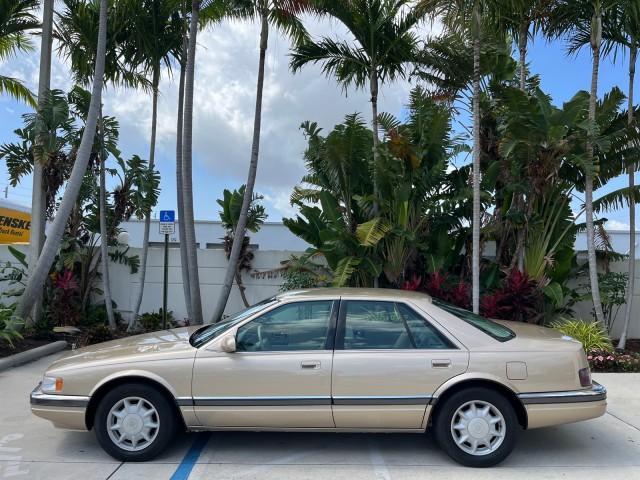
228, 344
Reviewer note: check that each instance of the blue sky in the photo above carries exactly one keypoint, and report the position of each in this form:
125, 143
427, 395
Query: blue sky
223, 113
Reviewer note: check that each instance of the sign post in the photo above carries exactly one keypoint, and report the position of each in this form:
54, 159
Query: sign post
167, 227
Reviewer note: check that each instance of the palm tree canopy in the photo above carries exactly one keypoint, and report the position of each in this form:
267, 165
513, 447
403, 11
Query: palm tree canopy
231, 204
77, 31
385, 41
283, 15
572, 20
156, 29
17, 18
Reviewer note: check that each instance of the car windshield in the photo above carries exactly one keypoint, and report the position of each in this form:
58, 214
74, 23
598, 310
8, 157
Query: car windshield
491, 328
209, 332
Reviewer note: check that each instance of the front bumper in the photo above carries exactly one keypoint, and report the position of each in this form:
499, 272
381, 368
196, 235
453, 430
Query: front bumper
555, 408
64, 411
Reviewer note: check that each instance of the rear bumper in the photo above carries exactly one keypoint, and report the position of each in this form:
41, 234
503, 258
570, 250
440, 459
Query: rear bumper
64, 411
554, 408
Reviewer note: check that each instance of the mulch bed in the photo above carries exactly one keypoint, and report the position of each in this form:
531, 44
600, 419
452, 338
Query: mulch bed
21, 346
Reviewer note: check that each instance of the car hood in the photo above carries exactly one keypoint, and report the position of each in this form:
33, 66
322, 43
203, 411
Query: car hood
162, 344
538, 338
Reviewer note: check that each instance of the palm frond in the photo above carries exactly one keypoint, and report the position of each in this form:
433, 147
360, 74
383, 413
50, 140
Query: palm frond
370, 233
16, 89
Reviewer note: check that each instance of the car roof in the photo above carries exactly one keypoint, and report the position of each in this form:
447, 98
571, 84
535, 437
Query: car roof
369, 293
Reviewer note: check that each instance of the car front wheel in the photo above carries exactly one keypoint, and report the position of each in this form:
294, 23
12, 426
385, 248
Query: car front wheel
134, 423
476, 427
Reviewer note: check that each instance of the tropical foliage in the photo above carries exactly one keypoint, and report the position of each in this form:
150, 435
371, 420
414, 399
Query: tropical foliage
474, 193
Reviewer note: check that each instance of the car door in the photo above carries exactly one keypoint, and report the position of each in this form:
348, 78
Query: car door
387, 363
278, 377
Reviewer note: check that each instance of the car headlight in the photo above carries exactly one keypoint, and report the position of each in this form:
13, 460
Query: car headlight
51, 384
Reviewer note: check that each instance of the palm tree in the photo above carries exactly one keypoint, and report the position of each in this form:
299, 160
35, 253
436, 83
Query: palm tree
521, 19
38, 194
17, 18
466, 17
157, 33
284, 16
231, 204
77, 35
624, 32
383, 45
37, 279
180, 184
580, 22
187, 153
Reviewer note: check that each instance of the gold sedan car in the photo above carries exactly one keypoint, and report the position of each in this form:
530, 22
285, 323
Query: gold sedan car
327, 360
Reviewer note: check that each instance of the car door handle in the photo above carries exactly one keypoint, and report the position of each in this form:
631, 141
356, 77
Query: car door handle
310, 365
440, 363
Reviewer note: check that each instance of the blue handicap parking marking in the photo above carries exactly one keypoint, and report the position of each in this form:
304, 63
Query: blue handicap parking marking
191, 457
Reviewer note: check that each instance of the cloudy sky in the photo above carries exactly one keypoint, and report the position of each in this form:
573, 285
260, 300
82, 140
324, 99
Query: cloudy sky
224, 102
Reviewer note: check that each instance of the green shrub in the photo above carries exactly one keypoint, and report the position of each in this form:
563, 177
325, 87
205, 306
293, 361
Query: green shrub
9, 326
152, 321
591, 334
96, 315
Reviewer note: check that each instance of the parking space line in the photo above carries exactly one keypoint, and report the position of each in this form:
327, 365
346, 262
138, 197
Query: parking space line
114, 472
623, 421
191, 457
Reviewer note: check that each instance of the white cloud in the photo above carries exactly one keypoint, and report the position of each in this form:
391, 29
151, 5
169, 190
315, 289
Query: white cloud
224, 101
616, 225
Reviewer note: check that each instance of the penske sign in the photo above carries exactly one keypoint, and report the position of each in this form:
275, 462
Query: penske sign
14, 226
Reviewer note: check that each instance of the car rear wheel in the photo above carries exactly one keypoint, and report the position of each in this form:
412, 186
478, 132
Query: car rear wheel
134, 423
476, 427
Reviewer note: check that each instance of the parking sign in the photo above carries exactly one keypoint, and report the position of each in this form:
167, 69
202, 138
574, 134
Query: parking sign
167, 222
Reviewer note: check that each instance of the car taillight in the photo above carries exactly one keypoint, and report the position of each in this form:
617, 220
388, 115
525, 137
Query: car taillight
585, 377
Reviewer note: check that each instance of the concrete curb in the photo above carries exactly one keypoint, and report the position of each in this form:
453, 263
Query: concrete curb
31, 355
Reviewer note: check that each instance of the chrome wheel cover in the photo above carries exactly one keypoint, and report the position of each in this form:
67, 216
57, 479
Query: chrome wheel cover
133, 424
478, 428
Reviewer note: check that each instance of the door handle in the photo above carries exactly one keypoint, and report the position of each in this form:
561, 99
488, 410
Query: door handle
310, 365
440, 363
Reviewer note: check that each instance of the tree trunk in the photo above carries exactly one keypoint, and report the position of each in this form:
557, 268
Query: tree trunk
240, 231
39, 195
633, 55
36, 281
189, 227
596, 40
104, 234
376, 141
475, 249
242, 289
147, 218
522, 232
522, 48
184, 258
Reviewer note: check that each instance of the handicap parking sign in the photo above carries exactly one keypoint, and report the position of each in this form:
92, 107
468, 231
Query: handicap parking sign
167, 222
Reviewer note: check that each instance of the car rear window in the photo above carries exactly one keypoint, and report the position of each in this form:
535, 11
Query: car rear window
491, 328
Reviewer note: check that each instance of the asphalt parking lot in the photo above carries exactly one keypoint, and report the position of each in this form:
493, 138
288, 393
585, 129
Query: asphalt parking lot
608, 447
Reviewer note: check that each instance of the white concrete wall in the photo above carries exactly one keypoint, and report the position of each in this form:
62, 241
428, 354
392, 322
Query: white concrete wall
271, 236
212, 266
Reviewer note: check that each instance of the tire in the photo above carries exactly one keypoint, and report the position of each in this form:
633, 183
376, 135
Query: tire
143, 418
483, 408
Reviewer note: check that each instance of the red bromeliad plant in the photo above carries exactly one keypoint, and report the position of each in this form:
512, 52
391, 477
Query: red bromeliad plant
63, 308
436, 285
412, 285
460, 295
519, 298
492, 305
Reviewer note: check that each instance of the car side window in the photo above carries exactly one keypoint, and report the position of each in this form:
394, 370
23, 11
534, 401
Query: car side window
295, 326
387, 325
